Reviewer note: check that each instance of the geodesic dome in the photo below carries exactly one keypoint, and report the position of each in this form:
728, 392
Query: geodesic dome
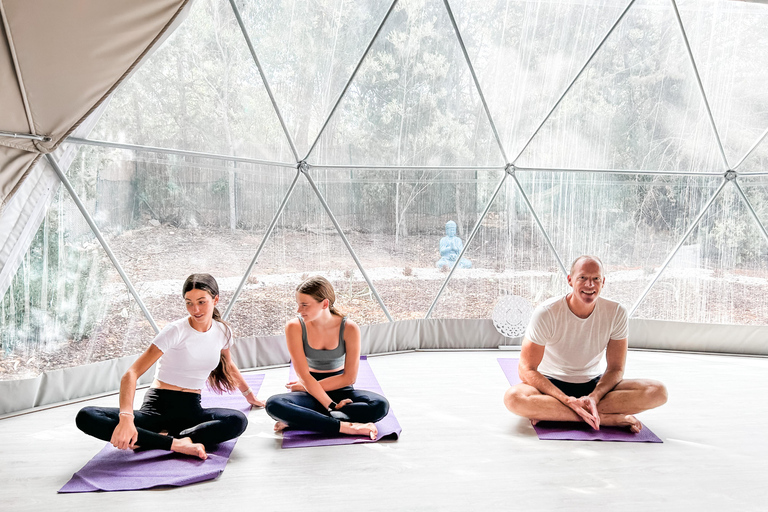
265, 141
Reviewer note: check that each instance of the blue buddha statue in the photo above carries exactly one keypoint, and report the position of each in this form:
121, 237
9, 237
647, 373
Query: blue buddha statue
450, 248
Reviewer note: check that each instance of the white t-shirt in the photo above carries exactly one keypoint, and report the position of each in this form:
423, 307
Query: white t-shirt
189, 355
575, 346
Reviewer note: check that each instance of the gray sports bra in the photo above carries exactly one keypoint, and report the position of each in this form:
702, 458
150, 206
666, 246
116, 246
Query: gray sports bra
324, 360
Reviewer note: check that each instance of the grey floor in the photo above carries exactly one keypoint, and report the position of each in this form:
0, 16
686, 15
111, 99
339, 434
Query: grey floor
460, 450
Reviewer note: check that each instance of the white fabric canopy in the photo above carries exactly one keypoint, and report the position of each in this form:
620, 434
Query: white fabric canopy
59, 60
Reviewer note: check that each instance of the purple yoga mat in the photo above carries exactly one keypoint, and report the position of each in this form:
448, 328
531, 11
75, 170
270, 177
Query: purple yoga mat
577, 431
127, 470
388, 427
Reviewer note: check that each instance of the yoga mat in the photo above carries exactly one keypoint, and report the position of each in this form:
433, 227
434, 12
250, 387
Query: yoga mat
577, 431
127, 470
388, 426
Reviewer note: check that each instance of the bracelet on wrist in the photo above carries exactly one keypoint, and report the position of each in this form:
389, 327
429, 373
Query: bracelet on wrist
126, 414
247, 392
332, 406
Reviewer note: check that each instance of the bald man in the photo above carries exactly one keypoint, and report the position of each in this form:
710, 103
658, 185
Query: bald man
560, 359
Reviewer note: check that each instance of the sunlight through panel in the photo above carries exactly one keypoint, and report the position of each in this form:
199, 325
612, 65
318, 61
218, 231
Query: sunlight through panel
721, 276
200, 91
728, 41
637, 105
757, 160
413, 102
632, 222
308, 51
67, 305
526, 53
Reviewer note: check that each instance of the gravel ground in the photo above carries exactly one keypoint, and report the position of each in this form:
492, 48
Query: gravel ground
403, 274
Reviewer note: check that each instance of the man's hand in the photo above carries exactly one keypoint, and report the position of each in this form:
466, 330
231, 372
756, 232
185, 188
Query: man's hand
586, 408
295, 386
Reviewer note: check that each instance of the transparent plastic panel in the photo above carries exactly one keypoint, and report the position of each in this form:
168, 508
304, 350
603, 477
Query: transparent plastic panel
636, 107
757, 160
304, 243
756, 190
631, 222
200, 91
395, 220
308, 50
413, 102
722, 277
509, 257
525, 53
728, 40
67, 306
166, 217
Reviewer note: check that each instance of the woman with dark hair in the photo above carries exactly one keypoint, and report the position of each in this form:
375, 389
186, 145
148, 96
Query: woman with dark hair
323, 399
191, 351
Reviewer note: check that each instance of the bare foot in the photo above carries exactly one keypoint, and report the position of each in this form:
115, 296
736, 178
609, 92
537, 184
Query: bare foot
622, 420
359, 429
534, 422
280, 426
187, 447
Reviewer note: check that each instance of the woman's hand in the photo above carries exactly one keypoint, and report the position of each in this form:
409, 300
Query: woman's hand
125, 435
343, 403
254, 401
295, 386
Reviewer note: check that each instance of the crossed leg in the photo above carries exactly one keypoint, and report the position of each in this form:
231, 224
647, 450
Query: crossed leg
617, 408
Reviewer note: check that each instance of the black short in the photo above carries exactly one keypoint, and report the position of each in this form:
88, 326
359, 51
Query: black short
577, 390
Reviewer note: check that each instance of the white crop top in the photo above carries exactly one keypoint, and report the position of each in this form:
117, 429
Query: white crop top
189, 356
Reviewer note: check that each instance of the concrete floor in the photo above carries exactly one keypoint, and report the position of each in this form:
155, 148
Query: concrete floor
460, 450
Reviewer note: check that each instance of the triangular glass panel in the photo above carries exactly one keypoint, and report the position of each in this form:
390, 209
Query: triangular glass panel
721, 276
757, 160
308, 51
200, 91
396, 222
632, 222
525, 53
304, 243
413, 102
728, 44
636, 107
166, 217
756, 190
509, 257
67, 305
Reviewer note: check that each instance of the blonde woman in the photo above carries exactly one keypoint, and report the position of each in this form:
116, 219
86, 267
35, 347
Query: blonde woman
325, 351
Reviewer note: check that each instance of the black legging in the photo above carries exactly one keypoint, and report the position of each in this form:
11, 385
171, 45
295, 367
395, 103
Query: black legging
302, 411
177, 412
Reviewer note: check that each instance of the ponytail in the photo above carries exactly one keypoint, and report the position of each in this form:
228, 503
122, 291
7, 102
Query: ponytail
221, 378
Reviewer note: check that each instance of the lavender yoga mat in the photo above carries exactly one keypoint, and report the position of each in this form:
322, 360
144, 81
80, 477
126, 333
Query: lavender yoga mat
388, 427
577, 431
127, 470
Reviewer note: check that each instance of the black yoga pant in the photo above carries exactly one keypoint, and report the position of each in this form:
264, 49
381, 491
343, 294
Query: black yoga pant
177, 412
576, 389
302, 411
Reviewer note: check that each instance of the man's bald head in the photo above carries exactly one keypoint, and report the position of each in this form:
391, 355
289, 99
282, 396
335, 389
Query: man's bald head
587, 257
